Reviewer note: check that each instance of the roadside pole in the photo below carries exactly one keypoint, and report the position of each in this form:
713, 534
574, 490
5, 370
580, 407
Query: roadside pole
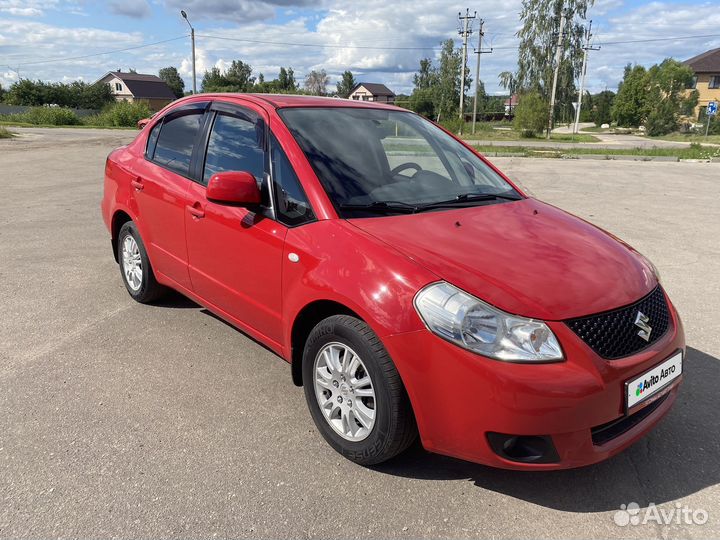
465, 31
709, 113
583, 72
558, 59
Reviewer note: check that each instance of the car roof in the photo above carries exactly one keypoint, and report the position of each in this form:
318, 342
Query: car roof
279, 101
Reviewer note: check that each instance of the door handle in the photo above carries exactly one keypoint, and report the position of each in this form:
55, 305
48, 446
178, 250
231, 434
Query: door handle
196, 211
137, 183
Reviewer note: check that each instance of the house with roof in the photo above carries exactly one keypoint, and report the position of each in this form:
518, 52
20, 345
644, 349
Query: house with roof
139, 87
510, 104
707, 78
372, 92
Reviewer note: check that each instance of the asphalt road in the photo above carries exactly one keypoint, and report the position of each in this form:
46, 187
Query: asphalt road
123, 420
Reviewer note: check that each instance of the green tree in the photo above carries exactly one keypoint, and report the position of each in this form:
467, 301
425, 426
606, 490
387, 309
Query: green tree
602, 110
237, 78
422, 101
173, 79
2, 93
316, 82
213, 81
77, 94
667, 97
630, 105
538, 43
346, 84
531, 114
286, 80
426, 76
448, 81
656, 97
508, 81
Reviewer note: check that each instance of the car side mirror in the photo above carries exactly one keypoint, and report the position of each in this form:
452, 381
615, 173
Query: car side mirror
233, 187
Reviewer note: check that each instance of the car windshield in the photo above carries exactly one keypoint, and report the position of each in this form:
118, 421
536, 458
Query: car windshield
374, 161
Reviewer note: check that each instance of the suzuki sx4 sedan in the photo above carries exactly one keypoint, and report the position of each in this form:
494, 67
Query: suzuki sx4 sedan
413, 288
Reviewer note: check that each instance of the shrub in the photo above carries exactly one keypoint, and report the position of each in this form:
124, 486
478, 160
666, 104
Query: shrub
5, 134
453, 125
662, 120
531, 114
120, 114
54, 116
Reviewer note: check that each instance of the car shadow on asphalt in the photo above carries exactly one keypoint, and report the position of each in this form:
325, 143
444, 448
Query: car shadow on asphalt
175, 300
678, 458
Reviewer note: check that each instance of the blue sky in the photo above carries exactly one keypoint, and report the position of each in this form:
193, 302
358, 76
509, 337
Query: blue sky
379, 41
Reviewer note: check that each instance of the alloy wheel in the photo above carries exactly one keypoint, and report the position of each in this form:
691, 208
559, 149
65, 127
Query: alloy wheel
344, 391
132, 263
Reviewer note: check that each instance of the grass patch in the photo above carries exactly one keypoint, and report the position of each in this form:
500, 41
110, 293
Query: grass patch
5, 134
81, 126
694, 151
691, 138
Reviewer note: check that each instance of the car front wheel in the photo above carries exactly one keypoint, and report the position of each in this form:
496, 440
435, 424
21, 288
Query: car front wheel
354, 392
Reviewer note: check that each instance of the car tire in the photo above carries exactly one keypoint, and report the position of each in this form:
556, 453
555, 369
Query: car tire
347, 351
137, 273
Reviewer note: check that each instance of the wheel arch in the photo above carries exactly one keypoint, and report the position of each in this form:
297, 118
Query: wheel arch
304, 322
119, 218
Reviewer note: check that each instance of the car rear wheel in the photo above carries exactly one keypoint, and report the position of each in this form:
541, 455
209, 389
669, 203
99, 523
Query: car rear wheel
354, 392
135, 266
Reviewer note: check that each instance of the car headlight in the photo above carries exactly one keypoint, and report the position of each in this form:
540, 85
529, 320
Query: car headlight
456, 316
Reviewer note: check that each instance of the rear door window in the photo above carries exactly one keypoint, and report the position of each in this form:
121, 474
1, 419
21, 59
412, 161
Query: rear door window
174, 146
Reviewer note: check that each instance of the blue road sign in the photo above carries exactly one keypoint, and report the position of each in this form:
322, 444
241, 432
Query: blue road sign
712, 108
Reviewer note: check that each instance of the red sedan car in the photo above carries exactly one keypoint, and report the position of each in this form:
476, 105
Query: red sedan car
414, 289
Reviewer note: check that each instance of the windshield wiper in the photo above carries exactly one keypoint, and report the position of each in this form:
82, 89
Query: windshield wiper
382, 207
466, 198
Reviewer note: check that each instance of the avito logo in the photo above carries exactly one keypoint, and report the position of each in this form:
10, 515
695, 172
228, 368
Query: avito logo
653, 380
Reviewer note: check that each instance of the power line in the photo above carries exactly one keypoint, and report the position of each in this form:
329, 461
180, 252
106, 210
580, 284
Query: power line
50, 60
331, 46
658, 39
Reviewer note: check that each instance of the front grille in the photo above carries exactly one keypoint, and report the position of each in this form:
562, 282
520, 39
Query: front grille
614, 334
607, 432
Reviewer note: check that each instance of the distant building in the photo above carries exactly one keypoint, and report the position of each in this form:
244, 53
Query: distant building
707, 78
139, 87
372, 92
510, 104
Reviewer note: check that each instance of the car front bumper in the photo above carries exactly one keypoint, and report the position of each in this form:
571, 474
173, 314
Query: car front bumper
459, 397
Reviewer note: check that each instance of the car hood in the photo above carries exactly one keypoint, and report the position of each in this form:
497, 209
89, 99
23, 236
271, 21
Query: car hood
525, 257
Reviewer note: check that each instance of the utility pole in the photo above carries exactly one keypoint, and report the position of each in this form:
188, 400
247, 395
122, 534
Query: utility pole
479, 51
558, 59
192, 40
465, 31
586, 48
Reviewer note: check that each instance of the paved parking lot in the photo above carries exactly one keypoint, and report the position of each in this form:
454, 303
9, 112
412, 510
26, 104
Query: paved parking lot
118, 419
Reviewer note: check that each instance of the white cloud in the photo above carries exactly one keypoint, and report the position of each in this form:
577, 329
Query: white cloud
26, 8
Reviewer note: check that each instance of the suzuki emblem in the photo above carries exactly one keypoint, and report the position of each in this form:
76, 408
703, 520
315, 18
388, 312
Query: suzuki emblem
641, 321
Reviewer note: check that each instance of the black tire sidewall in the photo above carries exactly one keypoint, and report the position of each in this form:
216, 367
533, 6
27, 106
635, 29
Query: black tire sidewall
129, 229
369, 449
